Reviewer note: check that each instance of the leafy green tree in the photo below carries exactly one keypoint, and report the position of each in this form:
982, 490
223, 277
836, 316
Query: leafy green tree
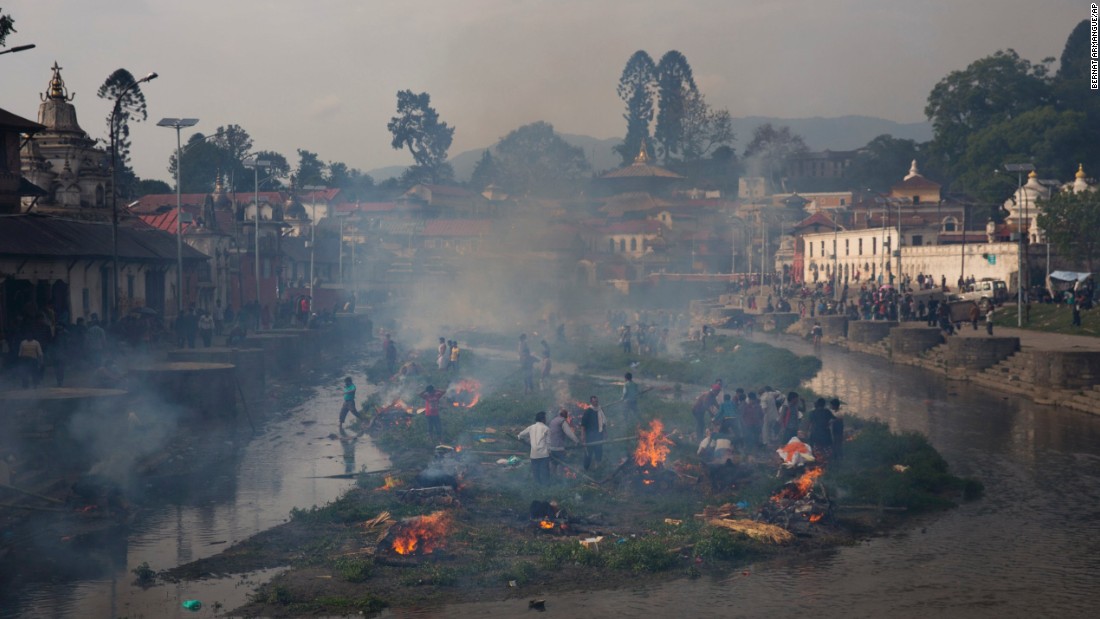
278, 168
1069, 220
485, 172
767, 153
417, 127
121, 90
7, 26
638, 89
202, 161
989, 91
1074, 62
705, 128
881, 163
1052, 139
149, 186
674, 83
535, 160
310, 170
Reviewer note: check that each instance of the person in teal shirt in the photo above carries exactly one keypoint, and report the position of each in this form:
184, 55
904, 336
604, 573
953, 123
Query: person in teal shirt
349, 401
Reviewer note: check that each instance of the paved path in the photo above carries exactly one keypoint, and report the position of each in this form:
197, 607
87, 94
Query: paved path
1038, 340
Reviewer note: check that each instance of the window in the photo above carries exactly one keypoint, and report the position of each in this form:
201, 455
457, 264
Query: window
611, 245
633, 243
622, 245
834, 247
861, 247
842, 201
823, 249
918, 240
129, 286
949, 224
811, 245
916, 199
846, 250
874, 246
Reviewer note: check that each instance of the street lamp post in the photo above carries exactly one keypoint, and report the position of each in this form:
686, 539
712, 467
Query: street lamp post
18, 48
897, 276
115, 111
1019, 169
178, 124
256, 164
312, 238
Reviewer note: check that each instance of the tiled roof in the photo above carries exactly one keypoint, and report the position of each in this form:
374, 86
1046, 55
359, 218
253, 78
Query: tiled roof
7, 119
641, 170
634, 226
819, 219
47, 237
457, 227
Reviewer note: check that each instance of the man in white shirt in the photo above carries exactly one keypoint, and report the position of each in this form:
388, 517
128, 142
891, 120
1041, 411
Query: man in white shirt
538, 435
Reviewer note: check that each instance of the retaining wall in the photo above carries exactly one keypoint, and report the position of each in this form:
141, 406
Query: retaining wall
869, 331
914, 340
979, 353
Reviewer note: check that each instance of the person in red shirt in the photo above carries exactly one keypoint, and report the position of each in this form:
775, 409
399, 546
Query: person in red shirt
431, 412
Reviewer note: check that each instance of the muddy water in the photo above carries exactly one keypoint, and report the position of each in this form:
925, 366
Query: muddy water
271, 478
1028, 549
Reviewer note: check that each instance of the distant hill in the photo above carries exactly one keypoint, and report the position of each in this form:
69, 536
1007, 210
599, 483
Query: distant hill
840, 133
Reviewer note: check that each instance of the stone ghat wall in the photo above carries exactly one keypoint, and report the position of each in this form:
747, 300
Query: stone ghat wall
974, 353
869, 331
1062, 370
914, 340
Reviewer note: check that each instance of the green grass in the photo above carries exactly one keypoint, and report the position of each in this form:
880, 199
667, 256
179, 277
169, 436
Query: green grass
1050, 318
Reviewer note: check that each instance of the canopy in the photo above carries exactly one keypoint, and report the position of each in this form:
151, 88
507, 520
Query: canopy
1070, 276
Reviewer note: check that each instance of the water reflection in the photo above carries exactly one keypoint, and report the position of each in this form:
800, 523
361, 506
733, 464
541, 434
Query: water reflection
202, 515
1027, 549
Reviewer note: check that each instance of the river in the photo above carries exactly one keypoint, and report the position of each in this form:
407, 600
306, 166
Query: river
279, 470
1028, 548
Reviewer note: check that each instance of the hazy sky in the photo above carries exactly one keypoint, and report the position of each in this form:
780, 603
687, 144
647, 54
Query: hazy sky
323, 74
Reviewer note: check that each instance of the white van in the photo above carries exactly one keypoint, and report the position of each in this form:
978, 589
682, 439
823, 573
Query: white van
985, 293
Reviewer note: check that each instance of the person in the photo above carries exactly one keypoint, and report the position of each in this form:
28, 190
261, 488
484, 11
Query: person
455, 354
236, 335
442, 357
431, 398
789, 417
975, 314
593, 426
726, 410
816, 332
559, 431
349, 402
95, 341
769, 399
630, 397
526, 365
704, 407
538, 435
389, 350
219, 317
206, 329
624, 338
752, 416
544, 376
817, 427
989, 320
837, 429
30, 360
1077, 303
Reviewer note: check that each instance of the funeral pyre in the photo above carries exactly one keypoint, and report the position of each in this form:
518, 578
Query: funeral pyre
466, 393
417, 536
799, 504
645, 469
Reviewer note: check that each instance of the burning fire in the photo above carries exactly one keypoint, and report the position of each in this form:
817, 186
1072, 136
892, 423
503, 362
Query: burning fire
816, 517
653, 445
800, 487
390, 483
546, 524
466, 393
422, 535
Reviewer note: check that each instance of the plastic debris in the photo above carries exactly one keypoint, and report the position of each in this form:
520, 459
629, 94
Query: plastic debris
192, 605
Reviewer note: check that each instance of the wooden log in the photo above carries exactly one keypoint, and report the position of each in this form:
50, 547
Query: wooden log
29, 493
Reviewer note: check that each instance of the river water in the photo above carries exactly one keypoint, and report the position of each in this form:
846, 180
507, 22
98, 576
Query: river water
1029, 548
270, 478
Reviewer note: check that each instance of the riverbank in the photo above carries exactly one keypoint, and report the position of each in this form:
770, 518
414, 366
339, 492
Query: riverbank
342, 562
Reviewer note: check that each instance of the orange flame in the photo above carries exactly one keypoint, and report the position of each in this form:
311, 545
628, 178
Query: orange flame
800, 487
546, 524
653, 445
466, 393
816, 517
390, 483
422, 534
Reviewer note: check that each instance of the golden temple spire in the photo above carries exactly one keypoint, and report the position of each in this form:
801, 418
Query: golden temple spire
57, 88
643, 156
1080, 171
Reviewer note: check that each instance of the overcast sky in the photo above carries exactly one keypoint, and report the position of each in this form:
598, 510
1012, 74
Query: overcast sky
323, 74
